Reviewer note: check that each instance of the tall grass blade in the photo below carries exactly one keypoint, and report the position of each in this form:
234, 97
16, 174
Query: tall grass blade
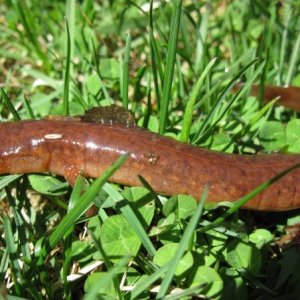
67, 74
6, 180
188, 114
109, 265
97, 63
3, 264
169, 72
156, 67
125, 76
10, 106
147, 282
71, 20
12, 252
284, 42
207, 122
28, 108
74, 198
235, 98
183, 245
156, 64
201, 37
293, 61
131, 218
28, 22
111, 274
83, 203
20, 224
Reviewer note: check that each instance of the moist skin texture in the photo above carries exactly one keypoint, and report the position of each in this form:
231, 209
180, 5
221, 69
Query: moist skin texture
287, 96
170, 167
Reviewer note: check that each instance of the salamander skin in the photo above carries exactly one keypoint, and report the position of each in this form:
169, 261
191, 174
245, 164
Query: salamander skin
69, 147
287, 96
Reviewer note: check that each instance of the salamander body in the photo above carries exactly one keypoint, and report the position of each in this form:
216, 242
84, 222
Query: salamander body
69, 147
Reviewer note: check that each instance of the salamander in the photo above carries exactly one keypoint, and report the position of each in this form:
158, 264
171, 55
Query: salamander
71, 146
288, 96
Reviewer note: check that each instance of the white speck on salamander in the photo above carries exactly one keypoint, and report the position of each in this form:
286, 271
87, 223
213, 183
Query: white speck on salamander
53, 136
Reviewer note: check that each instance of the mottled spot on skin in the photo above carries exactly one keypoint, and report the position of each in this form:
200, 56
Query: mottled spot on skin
53, 136
186, 164
178, 147
243, 173
293, 201
109, 115
71, 172
151, 157
154, 138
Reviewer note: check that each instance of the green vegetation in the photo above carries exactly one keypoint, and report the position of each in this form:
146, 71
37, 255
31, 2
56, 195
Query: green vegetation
174, 65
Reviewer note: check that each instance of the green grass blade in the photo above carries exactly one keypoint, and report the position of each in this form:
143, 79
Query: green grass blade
293, 61
168, 76
192, 291
47, 80
154, 47
125, 77
111, 274
6, 180
146, 283
71, 17
264, 11
83, 203
10, 106
27, 21
148, 111
4, 264
156, 67
201, 37
188, 114
236, 97
284, 43
187, 50
150, 189
207, 122
74, 198
263, 112
67, 74
264, 54
208, 94
155, 58
20, 224
12, 252
97, 63
109, 266
180, 90
76, 192
183, 245
131, 219
28, 108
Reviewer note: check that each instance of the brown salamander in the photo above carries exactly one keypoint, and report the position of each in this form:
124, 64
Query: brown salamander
287, 96
68, 147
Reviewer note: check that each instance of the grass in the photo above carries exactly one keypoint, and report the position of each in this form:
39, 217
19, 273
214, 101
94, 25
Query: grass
173, 64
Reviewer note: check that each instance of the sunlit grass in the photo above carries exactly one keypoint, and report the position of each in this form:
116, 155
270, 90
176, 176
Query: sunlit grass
174, 65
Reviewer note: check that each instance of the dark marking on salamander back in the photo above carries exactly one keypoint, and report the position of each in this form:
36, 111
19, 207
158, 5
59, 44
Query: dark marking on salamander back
109, 115
151, 157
